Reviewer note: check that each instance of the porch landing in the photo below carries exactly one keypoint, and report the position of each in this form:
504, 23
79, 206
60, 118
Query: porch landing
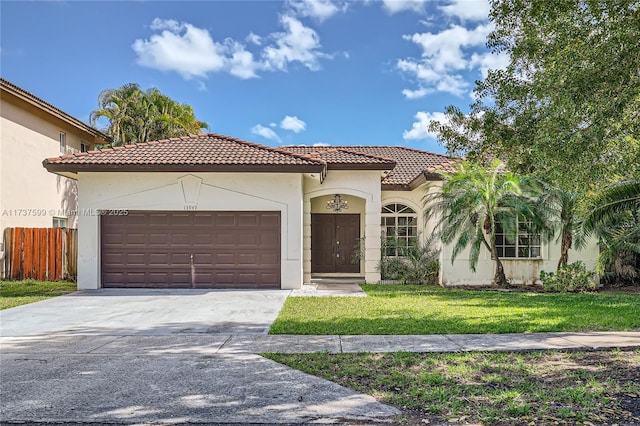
332, 286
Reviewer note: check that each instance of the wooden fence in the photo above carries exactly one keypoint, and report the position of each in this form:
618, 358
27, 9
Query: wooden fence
41, 253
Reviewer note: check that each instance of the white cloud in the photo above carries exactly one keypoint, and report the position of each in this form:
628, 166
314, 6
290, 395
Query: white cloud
241, 63
297, 44
467, 10
165, 24
254, 39
444, 55
192, 52
183, 48
395, 6
489, 61
316, 9
265, 132
416, 94
293, 123
321, 144
420, 127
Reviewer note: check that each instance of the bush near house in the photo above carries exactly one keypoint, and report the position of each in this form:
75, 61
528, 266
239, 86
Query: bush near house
417, 264
573, 277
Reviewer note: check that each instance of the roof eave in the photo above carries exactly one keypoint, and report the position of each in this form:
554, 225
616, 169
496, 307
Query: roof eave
53, 110
145, 168
360, 166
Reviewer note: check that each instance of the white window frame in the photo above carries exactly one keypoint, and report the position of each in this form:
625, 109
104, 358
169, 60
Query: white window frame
404, 222
521, 247
63, 142
59, 222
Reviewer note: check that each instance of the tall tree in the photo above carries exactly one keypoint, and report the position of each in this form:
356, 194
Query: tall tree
134, 115
568, 104
474, 201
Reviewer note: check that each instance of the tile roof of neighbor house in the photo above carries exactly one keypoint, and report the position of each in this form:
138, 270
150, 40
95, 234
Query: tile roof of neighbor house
413, 167
32, 99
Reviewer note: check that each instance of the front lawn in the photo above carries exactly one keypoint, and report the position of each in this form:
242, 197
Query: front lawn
16, 293
490, 387
405, 309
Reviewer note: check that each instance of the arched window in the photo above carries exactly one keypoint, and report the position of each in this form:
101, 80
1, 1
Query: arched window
399, 228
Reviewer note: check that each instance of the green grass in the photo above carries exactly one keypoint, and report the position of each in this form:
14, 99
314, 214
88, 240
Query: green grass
405, 309
490, 387
16, 293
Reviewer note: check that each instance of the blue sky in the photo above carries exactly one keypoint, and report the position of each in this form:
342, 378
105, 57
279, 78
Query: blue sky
272, 72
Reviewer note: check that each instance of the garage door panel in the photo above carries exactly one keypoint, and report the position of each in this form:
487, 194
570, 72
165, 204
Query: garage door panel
154, 249
225, 219
158, 259
205, 220
270, 219
181, 219
132, 219
135, 259
176, 259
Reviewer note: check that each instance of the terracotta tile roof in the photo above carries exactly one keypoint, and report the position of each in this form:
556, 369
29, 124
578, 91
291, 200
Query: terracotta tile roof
343, 158
29, 97
412, 166
205, 152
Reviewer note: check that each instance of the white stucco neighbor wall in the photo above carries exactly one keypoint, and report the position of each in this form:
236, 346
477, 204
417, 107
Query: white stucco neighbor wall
362, 184
518, 271
214, 191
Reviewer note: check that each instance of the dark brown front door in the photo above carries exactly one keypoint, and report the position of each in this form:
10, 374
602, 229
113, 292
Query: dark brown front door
191, 250
334, 241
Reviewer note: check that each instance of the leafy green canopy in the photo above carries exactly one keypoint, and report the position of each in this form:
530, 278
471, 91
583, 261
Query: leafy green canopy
135, 115
568, 105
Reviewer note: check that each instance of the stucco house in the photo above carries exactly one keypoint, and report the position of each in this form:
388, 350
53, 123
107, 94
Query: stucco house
32, 129
212, 211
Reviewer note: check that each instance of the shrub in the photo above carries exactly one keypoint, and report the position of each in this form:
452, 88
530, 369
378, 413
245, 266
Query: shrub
573, 277
420, 263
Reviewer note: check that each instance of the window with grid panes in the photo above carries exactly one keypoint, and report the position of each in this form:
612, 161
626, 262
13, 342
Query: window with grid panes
525, 245
399, 228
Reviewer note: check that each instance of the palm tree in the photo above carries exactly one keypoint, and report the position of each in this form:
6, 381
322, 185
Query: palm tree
136, 116
559, 206
614, 216
474, 201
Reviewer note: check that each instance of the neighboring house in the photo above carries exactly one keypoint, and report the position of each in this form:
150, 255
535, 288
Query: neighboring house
30, 130
211, 211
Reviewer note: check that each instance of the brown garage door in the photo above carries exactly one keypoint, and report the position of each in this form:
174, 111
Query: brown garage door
191, 250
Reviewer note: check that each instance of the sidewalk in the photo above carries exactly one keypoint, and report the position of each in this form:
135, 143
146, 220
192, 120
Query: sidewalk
221, 343
430, 343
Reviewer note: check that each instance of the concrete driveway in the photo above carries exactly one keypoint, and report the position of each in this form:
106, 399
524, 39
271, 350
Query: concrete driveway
146, 312
158, 357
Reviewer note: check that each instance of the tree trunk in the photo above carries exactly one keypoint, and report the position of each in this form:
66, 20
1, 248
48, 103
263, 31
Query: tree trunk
499, 279
567, 242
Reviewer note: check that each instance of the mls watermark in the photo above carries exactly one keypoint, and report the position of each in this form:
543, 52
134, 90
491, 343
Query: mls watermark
63, 212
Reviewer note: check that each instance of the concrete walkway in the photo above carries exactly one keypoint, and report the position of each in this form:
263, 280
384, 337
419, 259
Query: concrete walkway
212, 344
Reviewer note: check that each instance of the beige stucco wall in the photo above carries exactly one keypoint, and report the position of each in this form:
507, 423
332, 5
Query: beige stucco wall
210, 191
458, 272
518, 271
354, 185
29, 195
